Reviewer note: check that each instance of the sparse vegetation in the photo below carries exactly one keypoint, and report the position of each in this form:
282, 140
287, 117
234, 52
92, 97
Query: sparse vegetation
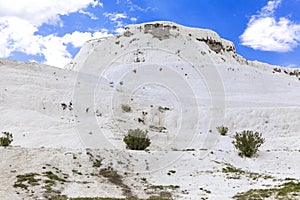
205, 190
137, 139
230, 169
162, 187
126, 108
171, 172
63, 197
163, 109
157, 187
144, 179
75, 171
289, 190
233, 172
157, 129
111, 174
248, 142
236, 173
6, 140
97, 162
50, 175
60, 197
222, 130
67, 106
46, 181
26, 180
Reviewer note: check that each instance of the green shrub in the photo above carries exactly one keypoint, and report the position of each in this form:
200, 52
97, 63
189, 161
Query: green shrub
163, 109
97, 162
248, 142
126, 108
137, 139
6, 139
222, 130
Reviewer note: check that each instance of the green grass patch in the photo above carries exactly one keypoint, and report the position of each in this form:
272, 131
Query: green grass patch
289, 190
63, 197
26, 180
50, 175
236, 173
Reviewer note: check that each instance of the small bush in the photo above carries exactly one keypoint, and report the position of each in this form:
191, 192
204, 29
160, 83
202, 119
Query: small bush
6, 139
248, 142
137, 139
126, 108
97, 162
222, 130
109, 172
163, 109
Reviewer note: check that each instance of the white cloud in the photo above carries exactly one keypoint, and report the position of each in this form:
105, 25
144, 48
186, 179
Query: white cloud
265, 32
18, 35
55, 49
134, 7
133, 19
78, 38
38, 12
116, 18
91, 15
55, 52
120, 30
270, 8
20, 20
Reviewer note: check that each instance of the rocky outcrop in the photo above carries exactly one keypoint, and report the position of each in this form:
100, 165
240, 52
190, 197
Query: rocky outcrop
215, 46
159, 30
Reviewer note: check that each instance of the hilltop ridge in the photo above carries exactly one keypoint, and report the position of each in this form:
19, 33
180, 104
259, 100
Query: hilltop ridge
160, 33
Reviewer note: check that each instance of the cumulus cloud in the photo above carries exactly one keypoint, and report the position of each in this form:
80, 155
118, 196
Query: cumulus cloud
47, 11
16, 34
55, 48
20, 21
78, 38
265, 32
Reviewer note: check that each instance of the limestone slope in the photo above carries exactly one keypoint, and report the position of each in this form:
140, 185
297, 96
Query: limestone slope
180, 83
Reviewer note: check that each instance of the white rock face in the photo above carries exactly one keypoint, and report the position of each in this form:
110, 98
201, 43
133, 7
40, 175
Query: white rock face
181, 83
163, 34
159, 35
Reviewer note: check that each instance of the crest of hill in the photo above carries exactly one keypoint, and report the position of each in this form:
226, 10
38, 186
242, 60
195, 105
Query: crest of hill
158, 34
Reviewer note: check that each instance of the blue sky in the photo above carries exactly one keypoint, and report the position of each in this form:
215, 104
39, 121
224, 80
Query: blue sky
52, 32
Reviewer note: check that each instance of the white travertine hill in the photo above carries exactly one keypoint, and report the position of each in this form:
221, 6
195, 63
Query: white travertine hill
162, 33
157, 34
181, 83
